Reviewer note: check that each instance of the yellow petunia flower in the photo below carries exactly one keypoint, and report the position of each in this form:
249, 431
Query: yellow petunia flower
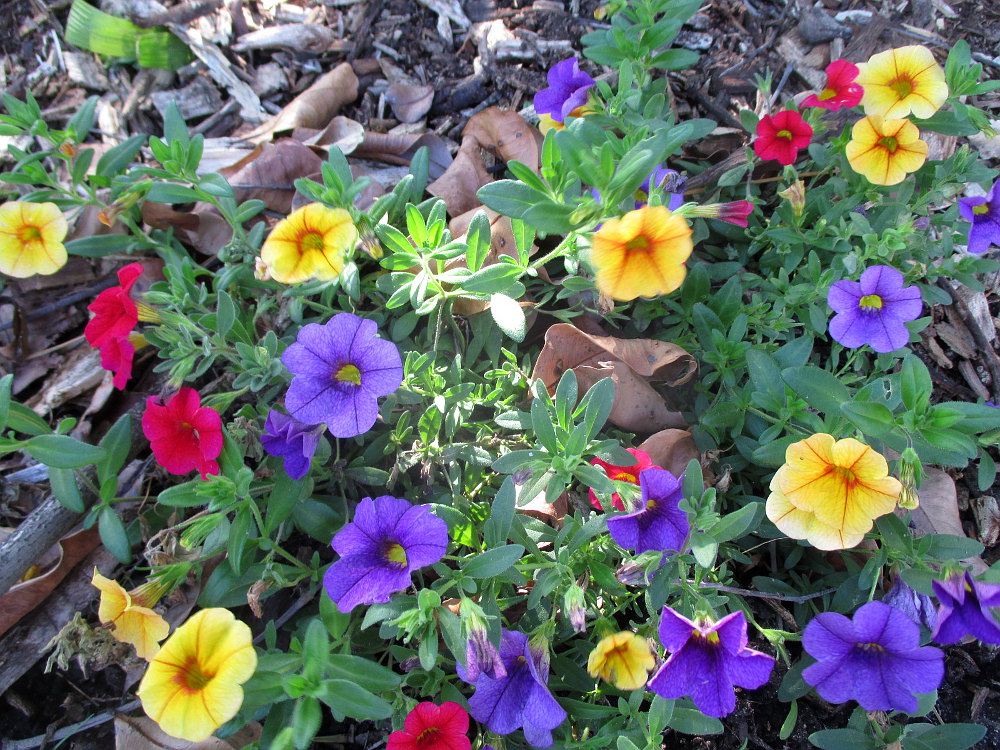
31, 239
192, 686
641, 254
129, 614
829, 492
901, 81
885, 151
309, 244
623, 659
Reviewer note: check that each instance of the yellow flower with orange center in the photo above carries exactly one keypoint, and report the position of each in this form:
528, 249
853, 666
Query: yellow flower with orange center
829, 491
885, 151
641, 254
623, 659
31, 239
192, 686
309, 244
901, 81
130, 615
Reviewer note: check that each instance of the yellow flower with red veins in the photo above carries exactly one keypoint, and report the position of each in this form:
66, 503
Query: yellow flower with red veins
829, 491
885, 151
902, 81
309, 244
31, 239
192, 686
623, 659
641, 254
130, 615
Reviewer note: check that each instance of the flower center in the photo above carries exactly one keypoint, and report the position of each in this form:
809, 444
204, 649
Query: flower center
29, 233
395, 554
826, 94
624, 476
651, 504
191, 677
712, 637
846, 475
889, 143
902, 86
428, 737
313, 242
348, 374
871, 302
784, 134
981, 209
637, 243
871, 647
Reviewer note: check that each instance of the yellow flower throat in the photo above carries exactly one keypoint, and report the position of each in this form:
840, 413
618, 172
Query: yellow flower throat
871, 302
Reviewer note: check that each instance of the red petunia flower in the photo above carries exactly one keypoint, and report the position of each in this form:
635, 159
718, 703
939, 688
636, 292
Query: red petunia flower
841, 90
780, 137
433, 727
628, 474
184, 434
115, 314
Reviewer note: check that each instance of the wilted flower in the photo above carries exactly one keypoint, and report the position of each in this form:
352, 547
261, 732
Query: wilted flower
918, 607
567, 91
885, 151
658, 523
31, 239
130, 614
873, 310
628, 474
829, 491
900, 81
192, 686
984, 213
292, 440
183, 434
876, 659
782, 136
707, 660
432, 727
309, 244
642, 254
966, 609
841, 89
381, 548
623, 659
117, 355
795, 194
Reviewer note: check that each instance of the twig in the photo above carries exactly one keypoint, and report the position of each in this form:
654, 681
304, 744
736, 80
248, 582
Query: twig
764, 594
988, 352
181, 14
59, 735
64, 302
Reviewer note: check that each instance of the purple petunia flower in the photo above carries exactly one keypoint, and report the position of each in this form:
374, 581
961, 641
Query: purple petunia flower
520, 698
873, 310
659, 523
965, 609
292, 440
568, 87
340, 369
984, 213
918, 607
876, 659
388, 539
707, 660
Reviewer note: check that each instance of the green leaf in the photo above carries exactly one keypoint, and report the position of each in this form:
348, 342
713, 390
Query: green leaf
346, 698
497, 526
492, 279
942, 737
225, 314
64, 487
952, 547
509, 316
705, 548
22, 419
820, 389
675, 59
493, 562
915, 383
116, 442
306, 721
624, 743
871, 418
788, 725
738, 523
93, 30
366, 673
117, 158
182, 495
5, 384
511, 198
693, 481
169, 192
843, 739
477, 240
114, 536
100, 245
63, 452
691, 721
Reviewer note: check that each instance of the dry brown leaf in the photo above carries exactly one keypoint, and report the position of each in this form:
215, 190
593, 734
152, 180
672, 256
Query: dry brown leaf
400, 149
507, 135
342, 132
142, 733
300, 37
938, 510
409, 103
269, 172
204, 230
458, 186
671, 450
314, 107
630, 363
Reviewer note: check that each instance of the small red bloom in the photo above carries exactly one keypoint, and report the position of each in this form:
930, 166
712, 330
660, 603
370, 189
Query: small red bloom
841, 90
184, 434
780, 137
117, 355
432, 727
115, 314
736, 212
628, 474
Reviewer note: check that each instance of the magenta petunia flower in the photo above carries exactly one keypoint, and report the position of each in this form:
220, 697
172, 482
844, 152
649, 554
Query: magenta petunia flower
340, 369
966, 609
521, 697
875, 659
707, 660
840, 90
388, 539
873, 310
984, 213
658, 523
568, 87
292, 440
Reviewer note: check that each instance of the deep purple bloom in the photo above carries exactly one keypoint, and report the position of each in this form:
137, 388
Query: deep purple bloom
659, 523
388, 539
707, 660
876, 659
568, 87
292, 440
873, 310
521, 698
918, 607
340, 369
965, 609
984, 213
481, 657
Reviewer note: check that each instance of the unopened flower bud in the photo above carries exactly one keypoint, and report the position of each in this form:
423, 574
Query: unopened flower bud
795, 194
575, 608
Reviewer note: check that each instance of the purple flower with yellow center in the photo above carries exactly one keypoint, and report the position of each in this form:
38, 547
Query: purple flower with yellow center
873, 310
567, 91
658, 523
707, 661
984, 213
290, 439
966, 609
875, 659
340, 369
388, 539
520, 698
